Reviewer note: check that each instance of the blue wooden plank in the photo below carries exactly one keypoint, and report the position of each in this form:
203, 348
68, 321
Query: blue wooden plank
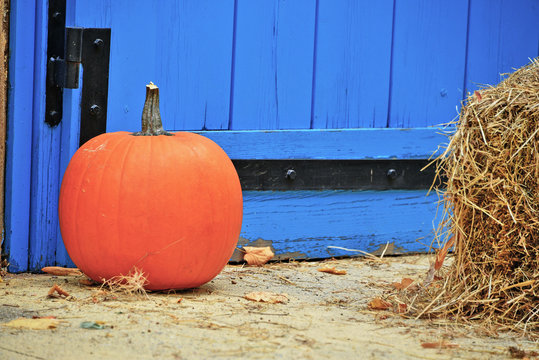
353, 144
197, 71
45, 160
302, 224
353, 53
503, 35
69, 143
185, 47
19, 133
84, 13
273, 66
428, 60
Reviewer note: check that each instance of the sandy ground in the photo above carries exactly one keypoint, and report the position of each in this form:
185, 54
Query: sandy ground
326, 317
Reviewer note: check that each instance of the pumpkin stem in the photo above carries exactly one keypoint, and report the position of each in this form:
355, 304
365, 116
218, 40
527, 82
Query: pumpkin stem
151, 117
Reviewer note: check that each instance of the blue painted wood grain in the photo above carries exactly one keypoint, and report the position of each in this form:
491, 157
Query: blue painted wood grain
19, 134
353, 53
428, 61
185, 47
69, 143
351, 144
302, 224
273, 66
499, 41
45, 160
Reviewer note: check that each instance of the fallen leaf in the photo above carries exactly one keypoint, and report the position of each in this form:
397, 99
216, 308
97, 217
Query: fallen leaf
378, 304
87, 282
267, 297
57, 289
93, 325
438, 262
332, 270
402, 308
440, 257
61, 271
43, 317
404, 284
33, 324
478, 95
439, 345
257, 255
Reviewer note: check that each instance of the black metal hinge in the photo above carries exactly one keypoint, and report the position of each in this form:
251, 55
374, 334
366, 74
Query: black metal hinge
67, 49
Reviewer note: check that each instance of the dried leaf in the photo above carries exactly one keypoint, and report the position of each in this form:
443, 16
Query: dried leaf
332, 270
379, 304
57, 289
404, 284
61, 271
257, 255
402, 308
43, 317
33, 324
478, 95
267, 297
88, 282
440, 257
439, 345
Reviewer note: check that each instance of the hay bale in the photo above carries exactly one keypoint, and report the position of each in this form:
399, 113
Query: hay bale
492, 203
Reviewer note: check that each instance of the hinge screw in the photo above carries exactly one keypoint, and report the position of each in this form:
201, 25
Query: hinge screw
57, 16
95, 110
98, 43
392, 174
291, 174
53, 117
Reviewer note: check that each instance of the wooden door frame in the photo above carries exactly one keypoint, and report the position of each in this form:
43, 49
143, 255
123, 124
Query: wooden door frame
4, 50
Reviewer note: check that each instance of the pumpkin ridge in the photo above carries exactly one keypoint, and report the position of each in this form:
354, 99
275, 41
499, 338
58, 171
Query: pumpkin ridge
126, 144
77, 194
202, 159
121, 141
201, 270
188, 146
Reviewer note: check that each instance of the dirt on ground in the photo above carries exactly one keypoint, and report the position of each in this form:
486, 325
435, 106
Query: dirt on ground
321, 316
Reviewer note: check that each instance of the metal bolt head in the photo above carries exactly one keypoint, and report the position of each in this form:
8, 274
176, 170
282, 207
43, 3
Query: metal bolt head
95, 110
53, 117
98, 43
57, 16
392, 174
291, 174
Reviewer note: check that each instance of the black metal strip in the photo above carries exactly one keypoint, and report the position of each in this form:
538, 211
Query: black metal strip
334, 174
95, 83
55, 51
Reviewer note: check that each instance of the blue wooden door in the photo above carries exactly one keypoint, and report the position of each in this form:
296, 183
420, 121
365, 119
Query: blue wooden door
303, 79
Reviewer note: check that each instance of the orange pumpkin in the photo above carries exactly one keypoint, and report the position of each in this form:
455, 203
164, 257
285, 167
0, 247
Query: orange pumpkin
167, 204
